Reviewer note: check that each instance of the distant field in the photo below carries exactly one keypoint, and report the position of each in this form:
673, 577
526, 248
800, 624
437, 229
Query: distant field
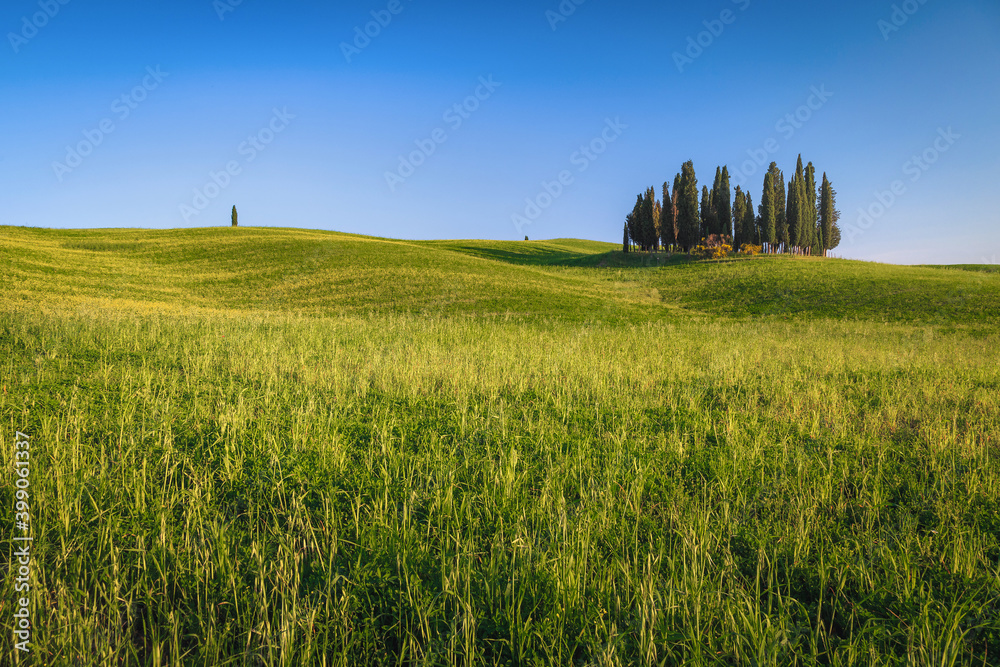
287, 447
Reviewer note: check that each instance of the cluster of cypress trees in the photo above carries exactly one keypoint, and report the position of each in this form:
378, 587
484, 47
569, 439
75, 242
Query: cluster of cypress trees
799, 220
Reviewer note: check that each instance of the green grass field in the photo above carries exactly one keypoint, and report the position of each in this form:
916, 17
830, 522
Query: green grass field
288, 447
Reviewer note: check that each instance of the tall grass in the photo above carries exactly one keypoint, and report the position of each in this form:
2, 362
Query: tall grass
258, 488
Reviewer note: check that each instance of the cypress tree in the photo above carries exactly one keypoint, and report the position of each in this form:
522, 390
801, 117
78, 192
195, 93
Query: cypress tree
750, 231
633, 221
652, 222
723, 204
814, 242
714, 199
797, 220
647, 221
739, 212
688, 219
828, 216
792, 216
768, 216
668, 236
780, 218
235, 221
625, 237
707, 225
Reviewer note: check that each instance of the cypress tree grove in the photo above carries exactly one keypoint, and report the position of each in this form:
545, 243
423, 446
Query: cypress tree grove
688, 219
750, 231
723, 204
668, 235
768, 216
739, 212
828, 216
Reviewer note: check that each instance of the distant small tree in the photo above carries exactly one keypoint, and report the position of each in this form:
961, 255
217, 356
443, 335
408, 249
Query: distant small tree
235, 221
625, 239
525, 237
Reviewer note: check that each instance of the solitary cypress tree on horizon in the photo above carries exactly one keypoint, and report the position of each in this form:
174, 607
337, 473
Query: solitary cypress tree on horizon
688, 219
235, 221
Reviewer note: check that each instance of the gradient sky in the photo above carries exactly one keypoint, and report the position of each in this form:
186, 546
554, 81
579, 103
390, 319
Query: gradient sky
890, 95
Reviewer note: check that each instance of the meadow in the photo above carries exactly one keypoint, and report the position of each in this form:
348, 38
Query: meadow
290, 447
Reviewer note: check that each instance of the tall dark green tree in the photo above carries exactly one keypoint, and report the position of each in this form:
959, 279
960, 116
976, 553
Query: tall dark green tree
625, 236
798, 221
780, 220
768, 215
707, 214
814, 242
828, 216
634, 222
235, 220
668, 235
750, 229
648, 220
739, 212
688, 218
722, 200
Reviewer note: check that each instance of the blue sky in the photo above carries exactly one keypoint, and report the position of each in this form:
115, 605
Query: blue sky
164, 114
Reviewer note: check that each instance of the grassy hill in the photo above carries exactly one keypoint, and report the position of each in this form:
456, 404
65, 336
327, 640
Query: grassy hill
287, 447
327, 273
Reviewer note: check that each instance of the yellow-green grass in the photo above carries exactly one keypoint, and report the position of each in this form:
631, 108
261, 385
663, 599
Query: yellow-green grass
394, 458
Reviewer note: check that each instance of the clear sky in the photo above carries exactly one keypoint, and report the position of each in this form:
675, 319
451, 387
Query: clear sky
163, 114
